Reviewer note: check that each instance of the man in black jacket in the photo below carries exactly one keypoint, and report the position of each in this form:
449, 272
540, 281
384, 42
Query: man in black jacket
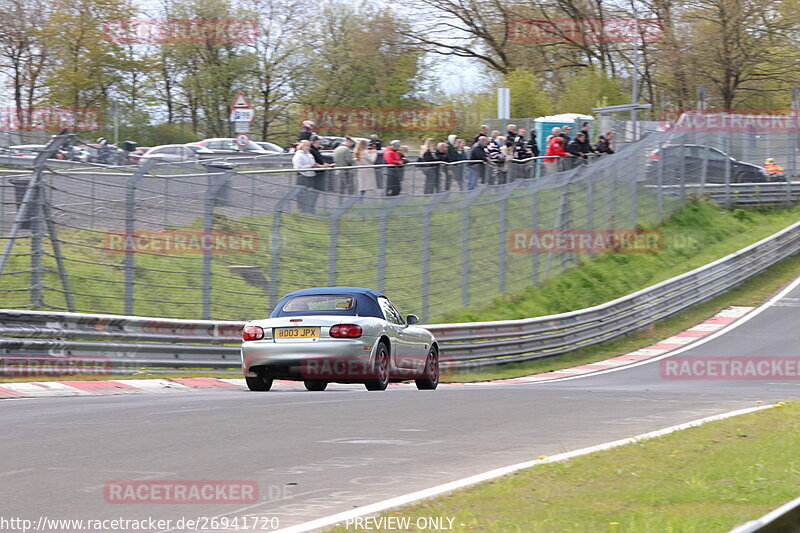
477, 156
483, 133
307, 132
579, 146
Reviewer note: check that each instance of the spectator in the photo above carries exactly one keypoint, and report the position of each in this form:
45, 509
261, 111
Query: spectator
307, 132
534, 144
393, 157
343, 157
493, 137
453, 155
440, 156
494, 150
511, 136
483, 133
322, 161
500, 160
522, 149
610, 138
310, 180
580, 147
565, 131
365, 154
555, 148
556, 132
774, 170
431, 172
603, 147
375, 142
477, 158
586, 130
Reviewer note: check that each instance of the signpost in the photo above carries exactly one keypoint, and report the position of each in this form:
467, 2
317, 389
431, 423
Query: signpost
241, 116
242, 140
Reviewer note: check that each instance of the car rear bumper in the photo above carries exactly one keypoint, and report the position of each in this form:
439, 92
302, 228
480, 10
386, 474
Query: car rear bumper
331, 359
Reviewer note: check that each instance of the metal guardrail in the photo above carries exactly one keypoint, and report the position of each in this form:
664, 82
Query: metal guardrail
156, 342
740, 194
784, 519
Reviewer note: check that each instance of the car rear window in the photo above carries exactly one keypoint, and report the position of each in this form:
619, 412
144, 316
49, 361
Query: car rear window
319, 303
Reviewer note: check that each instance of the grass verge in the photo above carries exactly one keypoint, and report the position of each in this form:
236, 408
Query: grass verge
700, 480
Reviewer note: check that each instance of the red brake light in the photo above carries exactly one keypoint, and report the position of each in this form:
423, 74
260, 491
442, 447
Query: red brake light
252, 333
345, 331
654, 157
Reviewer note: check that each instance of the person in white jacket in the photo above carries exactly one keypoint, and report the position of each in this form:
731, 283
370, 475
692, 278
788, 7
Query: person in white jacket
365, 155
303, 161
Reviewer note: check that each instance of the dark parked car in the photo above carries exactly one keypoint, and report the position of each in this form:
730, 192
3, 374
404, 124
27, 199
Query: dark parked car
687, 160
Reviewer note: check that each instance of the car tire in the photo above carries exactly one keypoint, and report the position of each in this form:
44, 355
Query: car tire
431, 379
258, 383
381, 369
317, 385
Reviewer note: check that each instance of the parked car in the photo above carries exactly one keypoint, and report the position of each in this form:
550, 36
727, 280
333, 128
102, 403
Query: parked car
227, 146
269, 147
176, 153
687, 160
26, 149
338, 334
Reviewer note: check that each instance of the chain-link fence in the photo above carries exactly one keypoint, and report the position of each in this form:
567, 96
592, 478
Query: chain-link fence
194, 242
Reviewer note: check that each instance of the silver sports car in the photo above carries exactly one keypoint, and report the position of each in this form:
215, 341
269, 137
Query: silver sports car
338, 334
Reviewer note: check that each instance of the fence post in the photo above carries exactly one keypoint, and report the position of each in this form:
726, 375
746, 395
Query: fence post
333, 233
426, 256
130, 228
275, 246
217, 182
535, 228
37, 236
660, 182
465, 255
728, 145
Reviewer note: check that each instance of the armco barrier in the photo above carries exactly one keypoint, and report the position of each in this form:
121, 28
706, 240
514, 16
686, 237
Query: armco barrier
784, 519
154, 342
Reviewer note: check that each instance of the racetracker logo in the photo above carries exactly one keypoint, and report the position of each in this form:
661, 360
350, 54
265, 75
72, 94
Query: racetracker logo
180, 492
179, 242
734, 368
142, 31
619, 30
49, 118
584, 241
338, 119
38, 366
731, 120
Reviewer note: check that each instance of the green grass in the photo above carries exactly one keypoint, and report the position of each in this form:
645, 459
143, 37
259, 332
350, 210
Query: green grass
705, 479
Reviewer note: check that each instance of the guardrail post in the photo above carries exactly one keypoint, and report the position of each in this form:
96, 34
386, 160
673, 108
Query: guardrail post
501, 259
683, 169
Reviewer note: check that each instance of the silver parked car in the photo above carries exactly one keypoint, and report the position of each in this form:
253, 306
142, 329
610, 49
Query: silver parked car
175, 153
338, 334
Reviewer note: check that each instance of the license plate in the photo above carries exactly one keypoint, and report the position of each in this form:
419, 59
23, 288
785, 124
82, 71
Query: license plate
296, 333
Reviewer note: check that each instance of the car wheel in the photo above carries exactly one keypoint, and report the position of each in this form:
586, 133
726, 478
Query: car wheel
315, 384
431, 379
381, 369
258, 383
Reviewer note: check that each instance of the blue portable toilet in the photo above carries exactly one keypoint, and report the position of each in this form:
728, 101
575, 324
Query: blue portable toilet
544, 127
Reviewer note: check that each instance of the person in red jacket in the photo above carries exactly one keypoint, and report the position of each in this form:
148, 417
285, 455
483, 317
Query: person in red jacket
555, 148
391, 156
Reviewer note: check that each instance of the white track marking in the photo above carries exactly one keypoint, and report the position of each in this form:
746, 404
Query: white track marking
498, 472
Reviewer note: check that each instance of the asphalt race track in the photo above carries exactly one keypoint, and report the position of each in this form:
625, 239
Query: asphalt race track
314, 454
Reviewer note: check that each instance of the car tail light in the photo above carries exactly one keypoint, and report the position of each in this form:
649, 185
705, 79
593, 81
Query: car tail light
654, 157
345, 331
252, 333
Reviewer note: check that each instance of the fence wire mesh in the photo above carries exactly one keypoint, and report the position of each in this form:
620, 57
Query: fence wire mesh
196, 242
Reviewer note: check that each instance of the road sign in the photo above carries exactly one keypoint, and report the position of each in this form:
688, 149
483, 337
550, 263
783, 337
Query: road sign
242, 114
242, 140
240, 102
241, 127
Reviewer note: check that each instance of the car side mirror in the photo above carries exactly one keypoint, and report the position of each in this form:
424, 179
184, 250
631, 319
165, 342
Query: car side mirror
412, 319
